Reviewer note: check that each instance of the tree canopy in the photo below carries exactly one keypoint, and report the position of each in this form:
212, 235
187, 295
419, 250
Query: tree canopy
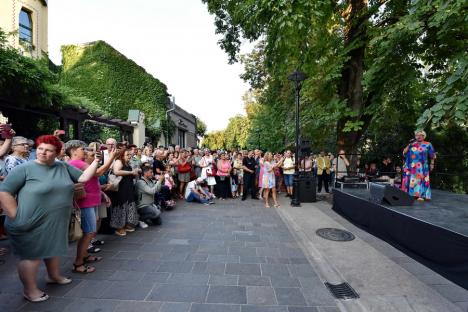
361, 56
371, 64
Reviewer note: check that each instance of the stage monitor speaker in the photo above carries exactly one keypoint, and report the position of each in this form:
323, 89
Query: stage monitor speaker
307, 188
387, 194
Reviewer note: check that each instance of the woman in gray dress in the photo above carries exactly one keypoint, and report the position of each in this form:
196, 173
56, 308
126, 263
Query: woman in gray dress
37, 198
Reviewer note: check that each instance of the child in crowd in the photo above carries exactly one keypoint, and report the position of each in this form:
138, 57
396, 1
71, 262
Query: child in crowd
234, 183
168, 180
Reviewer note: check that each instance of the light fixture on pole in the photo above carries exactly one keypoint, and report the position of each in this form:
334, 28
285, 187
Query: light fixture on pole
172, 103
298, 77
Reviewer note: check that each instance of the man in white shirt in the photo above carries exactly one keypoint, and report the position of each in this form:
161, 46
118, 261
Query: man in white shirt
110, 144
194, 193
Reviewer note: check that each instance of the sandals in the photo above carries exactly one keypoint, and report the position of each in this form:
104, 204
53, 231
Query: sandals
87, 269
88, 259
42, 298
277, 206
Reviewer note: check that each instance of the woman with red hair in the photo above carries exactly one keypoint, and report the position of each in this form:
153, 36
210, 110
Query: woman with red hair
37, 198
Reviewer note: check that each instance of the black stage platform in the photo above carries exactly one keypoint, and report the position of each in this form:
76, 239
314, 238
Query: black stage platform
435, 233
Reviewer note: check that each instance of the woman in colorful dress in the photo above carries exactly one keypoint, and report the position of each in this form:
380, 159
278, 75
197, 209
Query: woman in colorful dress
419, 161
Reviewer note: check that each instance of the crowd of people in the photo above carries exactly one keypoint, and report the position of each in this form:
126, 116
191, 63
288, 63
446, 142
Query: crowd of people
116, 187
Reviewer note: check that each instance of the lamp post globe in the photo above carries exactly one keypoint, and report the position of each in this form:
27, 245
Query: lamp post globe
298, 77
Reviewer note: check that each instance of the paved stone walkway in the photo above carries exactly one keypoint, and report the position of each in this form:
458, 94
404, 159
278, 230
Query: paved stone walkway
232, 256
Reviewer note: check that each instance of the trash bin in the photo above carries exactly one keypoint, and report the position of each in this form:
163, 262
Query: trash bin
307, 187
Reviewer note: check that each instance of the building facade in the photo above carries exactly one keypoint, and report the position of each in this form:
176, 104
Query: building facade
27, 23
185, 132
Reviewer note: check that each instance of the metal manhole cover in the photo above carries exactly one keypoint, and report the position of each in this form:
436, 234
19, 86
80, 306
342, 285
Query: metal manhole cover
335, 234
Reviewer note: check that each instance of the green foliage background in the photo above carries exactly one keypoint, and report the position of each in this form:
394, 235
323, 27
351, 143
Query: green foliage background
377, 70
102, 74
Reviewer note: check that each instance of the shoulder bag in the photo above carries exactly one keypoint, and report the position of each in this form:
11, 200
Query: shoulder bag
74, 228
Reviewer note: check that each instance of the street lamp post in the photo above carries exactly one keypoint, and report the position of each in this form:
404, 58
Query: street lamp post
298, 77
172, 102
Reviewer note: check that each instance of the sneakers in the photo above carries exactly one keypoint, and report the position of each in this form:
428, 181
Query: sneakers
93, 249
120, 232
142, 225
97, 242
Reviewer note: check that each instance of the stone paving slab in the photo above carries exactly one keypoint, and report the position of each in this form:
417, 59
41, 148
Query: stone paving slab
233, 256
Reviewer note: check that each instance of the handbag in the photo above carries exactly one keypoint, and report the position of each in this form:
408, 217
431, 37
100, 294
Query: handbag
184, 168
79, 191
114, 181
74, 228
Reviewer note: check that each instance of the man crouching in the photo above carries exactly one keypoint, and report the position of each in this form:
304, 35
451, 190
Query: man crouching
146, 188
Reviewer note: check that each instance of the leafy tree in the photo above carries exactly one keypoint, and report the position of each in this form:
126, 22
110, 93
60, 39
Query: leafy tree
201, 128
362, 58
214, 140
25, 80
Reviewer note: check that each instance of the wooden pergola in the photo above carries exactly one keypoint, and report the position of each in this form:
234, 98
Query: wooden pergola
70, 119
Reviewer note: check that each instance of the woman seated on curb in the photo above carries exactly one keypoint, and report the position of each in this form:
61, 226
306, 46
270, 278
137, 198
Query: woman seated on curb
89, 204
146, 188
37, 198
195, 193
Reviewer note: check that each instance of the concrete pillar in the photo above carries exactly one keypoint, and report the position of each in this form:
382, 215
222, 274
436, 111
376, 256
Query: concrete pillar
139, 130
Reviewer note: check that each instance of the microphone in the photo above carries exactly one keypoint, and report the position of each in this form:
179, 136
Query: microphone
412, 141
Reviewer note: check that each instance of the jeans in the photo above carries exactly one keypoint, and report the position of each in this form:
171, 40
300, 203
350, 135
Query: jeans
149, 212
194, 197
288, 179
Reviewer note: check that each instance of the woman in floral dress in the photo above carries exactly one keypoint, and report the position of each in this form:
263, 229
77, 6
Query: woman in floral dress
419, 161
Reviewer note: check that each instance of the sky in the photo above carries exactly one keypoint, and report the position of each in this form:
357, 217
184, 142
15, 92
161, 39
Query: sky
174, 40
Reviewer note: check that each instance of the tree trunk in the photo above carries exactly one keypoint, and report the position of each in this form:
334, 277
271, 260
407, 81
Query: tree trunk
350, 88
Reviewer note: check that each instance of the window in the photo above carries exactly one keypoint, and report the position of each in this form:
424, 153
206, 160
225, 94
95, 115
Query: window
181, 138
25, 26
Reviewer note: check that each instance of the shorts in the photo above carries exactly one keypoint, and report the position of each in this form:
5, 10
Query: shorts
288, 179
88, 220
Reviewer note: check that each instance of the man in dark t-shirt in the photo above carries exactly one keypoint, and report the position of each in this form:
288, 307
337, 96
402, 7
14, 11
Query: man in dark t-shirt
248, 164
386, 168
158, 164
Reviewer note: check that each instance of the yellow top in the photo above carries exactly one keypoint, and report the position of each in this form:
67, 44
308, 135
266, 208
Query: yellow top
288, 163
323, 163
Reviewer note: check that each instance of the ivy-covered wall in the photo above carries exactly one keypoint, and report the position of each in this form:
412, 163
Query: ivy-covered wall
115, 83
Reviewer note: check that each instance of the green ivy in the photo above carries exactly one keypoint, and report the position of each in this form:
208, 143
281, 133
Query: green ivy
98, 72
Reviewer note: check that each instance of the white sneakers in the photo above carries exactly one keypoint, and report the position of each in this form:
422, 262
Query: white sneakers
142, 224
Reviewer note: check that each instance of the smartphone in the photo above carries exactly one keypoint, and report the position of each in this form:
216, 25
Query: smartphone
6, 131
102, 147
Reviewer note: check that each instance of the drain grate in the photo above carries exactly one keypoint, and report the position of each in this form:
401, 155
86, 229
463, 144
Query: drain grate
335, 234
342, 291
